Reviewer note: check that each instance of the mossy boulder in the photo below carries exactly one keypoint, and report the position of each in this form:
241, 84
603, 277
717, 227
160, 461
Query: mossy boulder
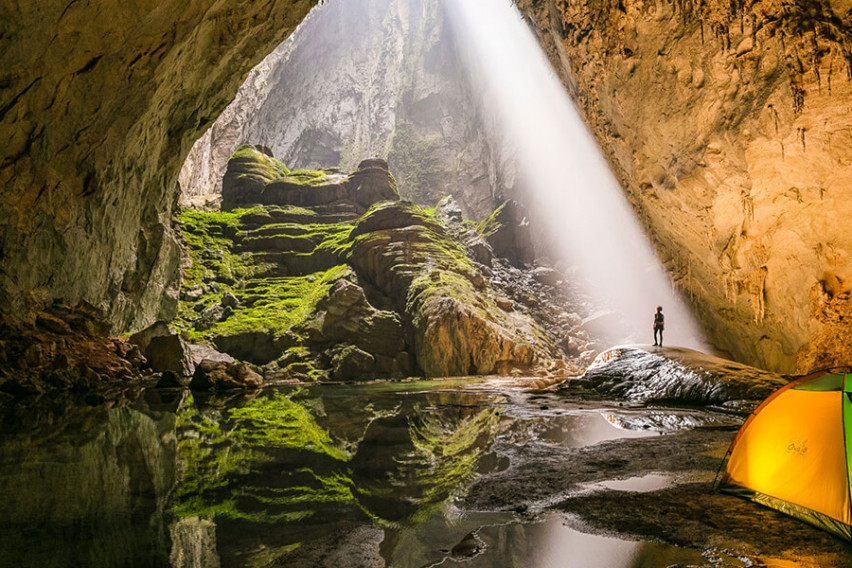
249, 171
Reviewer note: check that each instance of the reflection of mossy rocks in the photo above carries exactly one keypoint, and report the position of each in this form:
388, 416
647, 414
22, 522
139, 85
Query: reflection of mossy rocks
253, 178
507, 231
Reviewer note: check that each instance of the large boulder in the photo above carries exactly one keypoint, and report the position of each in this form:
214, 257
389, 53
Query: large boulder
250, 170
170, 353
351, 363
221, 375
458, 327
350, 318
144, 337
371, 182
675, 374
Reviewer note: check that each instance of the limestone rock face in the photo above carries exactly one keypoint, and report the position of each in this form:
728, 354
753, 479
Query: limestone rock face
508, 232
100, 104
728, 125
360, 78
317, 288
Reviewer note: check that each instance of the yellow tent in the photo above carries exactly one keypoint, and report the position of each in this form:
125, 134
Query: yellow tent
794, 453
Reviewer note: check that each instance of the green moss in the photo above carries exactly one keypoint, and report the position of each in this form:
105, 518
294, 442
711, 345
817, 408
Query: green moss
284, 303
219, 452
256, 164
218, 244
490, 224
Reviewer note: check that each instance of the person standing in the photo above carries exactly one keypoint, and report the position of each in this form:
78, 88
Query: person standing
659, 323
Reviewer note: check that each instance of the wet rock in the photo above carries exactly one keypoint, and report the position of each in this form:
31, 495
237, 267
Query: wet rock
143, 338
469, 547
202, 351
220, 375
675, 374
170, 353
351, 363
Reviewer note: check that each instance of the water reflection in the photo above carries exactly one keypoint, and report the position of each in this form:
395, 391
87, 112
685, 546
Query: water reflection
321, 476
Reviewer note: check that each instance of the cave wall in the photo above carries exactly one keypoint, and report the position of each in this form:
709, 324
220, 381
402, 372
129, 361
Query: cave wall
729, 125
364, 78
99, 104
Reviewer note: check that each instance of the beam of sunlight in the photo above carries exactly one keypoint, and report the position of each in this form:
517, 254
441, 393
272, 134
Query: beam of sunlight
568, 181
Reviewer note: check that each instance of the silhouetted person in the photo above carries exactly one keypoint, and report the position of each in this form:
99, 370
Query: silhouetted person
659, 323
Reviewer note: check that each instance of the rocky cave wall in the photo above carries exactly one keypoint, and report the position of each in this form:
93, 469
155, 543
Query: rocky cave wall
99, 105
729, 125
363, 78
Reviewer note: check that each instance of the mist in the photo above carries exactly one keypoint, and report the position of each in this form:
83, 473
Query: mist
569, 185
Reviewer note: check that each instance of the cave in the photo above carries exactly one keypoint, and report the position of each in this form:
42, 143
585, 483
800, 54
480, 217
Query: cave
292, 283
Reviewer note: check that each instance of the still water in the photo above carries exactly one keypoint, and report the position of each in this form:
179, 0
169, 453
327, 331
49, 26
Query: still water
322, 476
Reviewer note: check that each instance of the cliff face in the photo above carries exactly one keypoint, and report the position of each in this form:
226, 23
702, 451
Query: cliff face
729, 125
99, 105
361, 78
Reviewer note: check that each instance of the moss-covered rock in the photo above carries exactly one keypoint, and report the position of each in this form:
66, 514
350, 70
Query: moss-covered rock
458, 327
255, 178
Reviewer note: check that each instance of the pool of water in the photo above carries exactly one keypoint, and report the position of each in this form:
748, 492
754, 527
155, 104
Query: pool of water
321, 476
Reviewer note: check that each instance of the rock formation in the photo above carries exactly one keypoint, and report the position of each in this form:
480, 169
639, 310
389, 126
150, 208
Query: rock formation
726, 122
677, 375
323, 275
728, 125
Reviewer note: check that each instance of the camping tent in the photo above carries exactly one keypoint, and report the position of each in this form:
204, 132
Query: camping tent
794, 453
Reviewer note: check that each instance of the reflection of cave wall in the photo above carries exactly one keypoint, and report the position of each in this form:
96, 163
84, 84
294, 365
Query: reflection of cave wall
729, 125
88, 484
99, 105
